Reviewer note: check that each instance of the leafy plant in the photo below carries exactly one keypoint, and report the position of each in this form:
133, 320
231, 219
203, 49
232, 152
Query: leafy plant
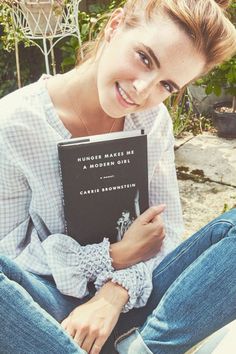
223, 76
183, 117
90, 23
9, 34
31, 64
7, 72
58, 6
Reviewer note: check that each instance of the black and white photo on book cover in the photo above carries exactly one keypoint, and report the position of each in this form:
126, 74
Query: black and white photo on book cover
105, 184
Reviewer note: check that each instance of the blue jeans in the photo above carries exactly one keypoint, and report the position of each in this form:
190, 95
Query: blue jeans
30, 308
194, 294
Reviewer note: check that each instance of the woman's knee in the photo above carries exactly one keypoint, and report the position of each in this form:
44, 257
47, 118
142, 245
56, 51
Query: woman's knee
228, 217
223, 226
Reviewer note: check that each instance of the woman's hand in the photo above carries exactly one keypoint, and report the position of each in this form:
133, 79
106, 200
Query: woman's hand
91, 323
141, 241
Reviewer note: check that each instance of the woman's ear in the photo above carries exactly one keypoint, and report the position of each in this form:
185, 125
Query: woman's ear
114, 22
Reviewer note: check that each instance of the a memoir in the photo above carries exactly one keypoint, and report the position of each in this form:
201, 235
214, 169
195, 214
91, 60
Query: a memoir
105, 184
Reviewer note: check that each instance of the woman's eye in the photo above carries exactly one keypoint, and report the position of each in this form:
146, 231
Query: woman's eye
144, 58
167, 86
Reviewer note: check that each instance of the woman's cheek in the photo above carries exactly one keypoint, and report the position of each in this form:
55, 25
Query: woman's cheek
127, 73
157, 97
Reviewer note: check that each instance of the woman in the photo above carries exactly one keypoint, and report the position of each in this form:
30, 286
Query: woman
147, 51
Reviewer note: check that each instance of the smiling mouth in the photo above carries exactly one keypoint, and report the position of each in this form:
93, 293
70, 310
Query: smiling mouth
124, 96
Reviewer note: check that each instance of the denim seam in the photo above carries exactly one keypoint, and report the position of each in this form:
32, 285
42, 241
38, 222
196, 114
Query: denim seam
130, 339
191, 244
125, 335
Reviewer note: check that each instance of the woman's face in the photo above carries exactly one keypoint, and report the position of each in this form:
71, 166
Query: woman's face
140, 67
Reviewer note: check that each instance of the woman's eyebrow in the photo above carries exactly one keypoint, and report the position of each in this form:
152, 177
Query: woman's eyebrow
158, 64
152, 55
174, 85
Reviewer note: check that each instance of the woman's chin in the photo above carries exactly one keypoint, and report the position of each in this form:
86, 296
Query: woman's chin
113, 113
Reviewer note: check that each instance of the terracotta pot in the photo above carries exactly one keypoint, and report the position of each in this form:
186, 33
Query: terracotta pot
43, 17
224, 122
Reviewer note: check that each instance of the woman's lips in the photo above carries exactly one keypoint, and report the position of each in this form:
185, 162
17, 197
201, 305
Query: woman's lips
123, 97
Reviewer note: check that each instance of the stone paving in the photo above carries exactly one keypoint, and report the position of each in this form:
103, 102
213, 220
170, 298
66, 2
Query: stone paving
206, 166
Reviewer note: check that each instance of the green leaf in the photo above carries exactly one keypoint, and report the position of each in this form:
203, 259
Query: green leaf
208, 89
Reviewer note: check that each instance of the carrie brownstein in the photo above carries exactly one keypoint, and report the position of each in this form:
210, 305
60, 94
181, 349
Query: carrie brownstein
107, 189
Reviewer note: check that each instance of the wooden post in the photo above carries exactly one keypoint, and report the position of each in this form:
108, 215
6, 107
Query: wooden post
17, 63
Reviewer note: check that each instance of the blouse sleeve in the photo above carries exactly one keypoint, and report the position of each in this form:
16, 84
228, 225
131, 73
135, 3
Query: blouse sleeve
74, 266
71, 265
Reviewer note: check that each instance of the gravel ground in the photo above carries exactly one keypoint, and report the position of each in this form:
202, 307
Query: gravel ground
201, 202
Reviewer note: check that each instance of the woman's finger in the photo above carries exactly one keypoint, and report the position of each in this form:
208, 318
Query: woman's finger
98, 344
79, 338
87, 342
96, 349
71, 331
64, 323
150, 213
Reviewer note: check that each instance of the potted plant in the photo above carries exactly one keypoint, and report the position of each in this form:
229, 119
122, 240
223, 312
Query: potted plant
224, 112
223, 79
43, 17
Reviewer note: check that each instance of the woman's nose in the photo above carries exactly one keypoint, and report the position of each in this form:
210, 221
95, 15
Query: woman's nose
144, 85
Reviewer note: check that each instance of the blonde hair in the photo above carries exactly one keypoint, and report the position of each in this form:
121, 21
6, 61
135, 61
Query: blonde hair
205, 21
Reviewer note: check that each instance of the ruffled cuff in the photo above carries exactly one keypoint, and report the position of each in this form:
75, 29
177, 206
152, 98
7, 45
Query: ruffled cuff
73, 266
137, 280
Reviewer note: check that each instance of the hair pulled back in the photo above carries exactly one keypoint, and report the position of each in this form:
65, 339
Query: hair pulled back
205, 21
223, 3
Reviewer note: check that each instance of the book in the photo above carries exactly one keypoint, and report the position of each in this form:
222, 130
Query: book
105, 184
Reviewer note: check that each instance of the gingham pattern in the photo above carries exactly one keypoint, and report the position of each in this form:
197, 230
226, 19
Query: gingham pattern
72, 263
31, 207
138, 283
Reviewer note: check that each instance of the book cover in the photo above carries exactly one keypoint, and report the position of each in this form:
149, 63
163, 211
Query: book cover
105, 184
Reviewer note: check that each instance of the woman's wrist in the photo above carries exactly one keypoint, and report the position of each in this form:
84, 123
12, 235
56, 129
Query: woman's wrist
115, 293
118, 256
122, 256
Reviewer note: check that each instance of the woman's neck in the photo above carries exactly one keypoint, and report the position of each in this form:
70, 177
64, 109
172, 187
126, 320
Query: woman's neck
75, 97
